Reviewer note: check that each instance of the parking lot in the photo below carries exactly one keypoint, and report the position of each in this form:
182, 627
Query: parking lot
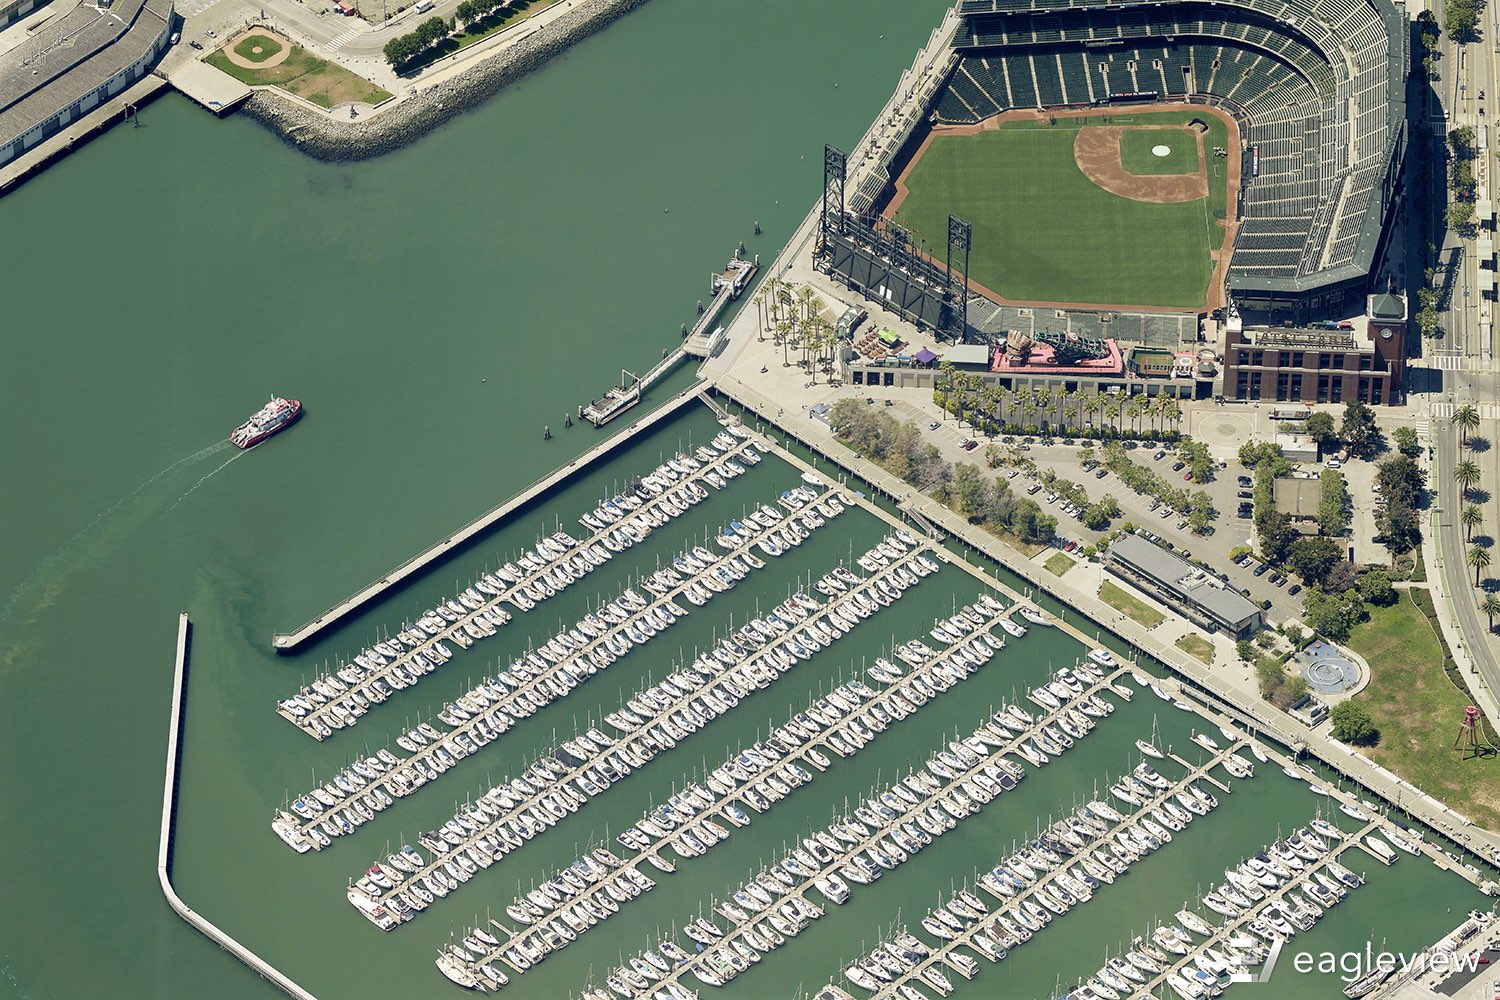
1228, 528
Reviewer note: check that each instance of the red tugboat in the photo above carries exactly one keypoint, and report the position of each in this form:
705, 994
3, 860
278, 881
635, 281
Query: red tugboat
276, 415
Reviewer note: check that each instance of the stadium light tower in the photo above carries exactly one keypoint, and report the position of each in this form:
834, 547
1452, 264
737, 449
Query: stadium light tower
959, 235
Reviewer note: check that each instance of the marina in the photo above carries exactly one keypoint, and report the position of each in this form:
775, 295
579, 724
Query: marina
1131, 814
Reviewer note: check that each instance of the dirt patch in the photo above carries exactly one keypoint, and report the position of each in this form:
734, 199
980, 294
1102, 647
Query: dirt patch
1096, 149
275, 60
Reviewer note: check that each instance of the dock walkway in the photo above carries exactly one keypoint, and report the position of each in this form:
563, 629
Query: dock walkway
287, 642
1069, 866
455, 631
500, 713
1198, 681
200, 923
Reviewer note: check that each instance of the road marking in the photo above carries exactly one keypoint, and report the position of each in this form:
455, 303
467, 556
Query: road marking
1442, 411
340, 40
1448, 362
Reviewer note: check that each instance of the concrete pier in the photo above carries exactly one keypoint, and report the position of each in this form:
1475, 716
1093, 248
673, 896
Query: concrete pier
287, 642
168, 815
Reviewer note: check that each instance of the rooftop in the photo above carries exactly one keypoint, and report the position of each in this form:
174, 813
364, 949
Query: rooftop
1183, 579
72, 56
1297, 497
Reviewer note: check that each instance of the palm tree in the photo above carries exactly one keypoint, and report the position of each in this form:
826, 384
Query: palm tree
1070, 410
1091, 404
1044, 403
1467, 475
1466, 419
1171, 409
1470, 518
1479, 559
1490, 606
1028, 406
1134, 407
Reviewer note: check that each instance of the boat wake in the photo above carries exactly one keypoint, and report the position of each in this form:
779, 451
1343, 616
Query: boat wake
50, 572
233, 458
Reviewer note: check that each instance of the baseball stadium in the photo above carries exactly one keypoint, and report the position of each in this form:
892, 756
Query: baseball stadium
1152, 158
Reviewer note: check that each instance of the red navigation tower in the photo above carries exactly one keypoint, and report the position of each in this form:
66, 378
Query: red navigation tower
1467, 742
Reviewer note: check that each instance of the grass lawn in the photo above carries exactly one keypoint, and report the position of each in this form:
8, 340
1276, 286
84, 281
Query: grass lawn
1137, 151
1417, 710
317, 80
1043, 231
257, 48
1058, 563
1196, 645
1130, 606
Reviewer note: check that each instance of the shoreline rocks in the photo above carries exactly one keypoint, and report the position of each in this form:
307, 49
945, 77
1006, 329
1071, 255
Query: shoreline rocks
409, 119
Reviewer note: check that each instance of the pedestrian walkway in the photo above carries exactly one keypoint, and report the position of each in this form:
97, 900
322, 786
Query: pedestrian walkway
338, 41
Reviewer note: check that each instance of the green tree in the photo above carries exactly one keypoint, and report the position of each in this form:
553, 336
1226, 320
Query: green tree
1314, 558
1358, 431
1470, 518
1274, 532
969, 489
1490, 606
1478, 558
1332, 616
1333, 503
1467, 475
1320, 428
1245, 650
1466, 419
1375, 587
1352, 723
1406, 441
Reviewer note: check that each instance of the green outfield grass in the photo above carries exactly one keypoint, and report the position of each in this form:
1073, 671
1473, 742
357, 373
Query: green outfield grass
1137, 157
1043, 231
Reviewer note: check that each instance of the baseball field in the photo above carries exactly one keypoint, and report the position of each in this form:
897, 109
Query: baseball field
1111, 210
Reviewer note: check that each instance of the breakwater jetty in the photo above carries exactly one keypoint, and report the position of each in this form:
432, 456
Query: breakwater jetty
286, 642
400, 122
263, 968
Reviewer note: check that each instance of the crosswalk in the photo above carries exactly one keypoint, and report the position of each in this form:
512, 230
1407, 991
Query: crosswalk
1442, 411
1448, 362
340, 40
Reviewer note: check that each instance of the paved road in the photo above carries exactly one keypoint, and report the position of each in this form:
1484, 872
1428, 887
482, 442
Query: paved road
1458, 579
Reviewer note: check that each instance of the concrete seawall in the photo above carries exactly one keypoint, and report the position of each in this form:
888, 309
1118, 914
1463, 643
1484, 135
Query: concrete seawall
287, 642
405, 121
168, 818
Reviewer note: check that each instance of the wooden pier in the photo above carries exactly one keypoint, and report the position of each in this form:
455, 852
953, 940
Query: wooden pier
200, 923
289, 641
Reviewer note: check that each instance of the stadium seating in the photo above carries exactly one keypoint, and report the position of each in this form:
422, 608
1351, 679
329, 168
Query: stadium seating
1315, 86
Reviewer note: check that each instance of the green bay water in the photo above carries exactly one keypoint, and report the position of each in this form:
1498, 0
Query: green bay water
433, 309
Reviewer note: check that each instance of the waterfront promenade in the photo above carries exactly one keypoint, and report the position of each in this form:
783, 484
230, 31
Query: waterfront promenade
1200, 681
286, 642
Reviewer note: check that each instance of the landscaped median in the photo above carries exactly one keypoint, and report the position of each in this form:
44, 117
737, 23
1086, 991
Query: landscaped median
260, 58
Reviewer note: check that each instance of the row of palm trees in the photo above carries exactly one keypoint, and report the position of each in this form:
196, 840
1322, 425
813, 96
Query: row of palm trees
793, 315
1468, 477
1045, 407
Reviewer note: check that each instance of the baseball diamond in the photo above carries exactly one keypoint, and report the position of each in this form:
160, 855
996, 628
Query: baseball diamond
1078, 207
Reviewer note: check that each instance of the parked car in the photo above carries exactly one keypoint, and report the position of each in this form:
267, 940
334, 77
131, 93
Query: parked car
1033, 489
1245, 481
1154, 504
1188, 476
1165, 512
1266, 604
1101, 473
1159, 455
1334, 463
1013, 473
1294, 589
1262, 569
1245, 495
